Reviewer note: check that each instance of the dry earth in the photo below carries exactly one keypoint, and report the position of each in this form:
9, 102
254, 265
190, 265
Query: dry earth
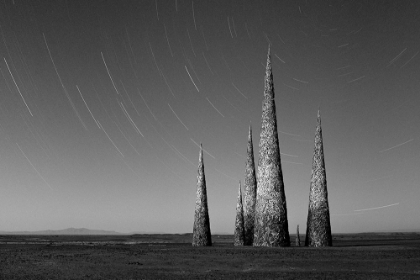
357, 256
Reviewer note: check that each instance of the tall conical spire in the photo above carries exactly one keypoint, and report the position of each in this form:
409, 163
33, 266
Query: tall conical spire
318, 230
239, 221
271, 226
250, 192
201, 230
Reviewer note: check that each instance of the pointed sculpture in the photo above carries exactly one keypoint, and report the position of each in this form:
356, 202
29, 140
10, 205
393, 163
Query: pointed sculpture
250, 192
239, 222
201, 230
271, 226
318, 229
297, 241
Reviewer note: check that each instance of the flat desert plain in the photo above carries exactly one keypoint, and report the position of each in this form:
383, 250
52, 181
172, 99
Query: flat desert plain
171, 256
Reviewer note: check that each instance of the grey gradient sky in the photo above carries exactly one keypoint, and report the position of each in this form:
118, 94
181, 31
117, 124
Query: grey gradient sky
103, 104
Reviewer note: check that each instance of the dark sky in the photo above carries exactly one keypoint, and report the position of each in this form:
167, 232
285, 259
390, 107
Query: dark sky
103, 105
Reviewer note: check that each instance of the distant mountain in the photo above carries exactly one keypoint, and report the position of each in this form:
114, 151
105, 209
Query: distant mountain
67, 231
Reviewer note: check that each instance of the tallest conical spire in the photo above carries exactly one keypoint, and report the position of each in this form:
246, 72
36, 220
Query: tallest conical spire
271, 225
268, 86
318, 230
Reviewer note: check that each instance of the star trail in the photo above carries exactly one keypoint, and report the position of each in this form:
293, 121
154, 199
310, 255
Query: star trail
104, 104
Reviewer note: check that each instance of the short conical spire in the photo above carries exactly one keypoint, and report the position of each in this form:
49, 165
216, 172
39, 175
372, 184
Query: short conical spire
201, 230
297, 241
318, 231
239, 221
271, 225
250, 192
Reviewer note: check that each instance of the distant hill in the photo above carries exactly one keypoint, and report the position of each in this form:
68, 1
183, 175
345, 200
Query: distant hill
67, 231
146, 232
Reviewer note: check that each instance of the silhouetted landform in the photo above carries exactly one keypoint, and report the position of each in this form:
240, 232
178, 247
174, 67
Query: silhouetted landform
318, 229
271, 225
239, 234
250, 192
201, 229
67, 231
98, 240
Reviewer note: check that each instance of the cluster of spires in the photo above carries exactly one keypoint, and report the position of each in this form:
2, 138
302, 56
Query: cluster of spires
261, 219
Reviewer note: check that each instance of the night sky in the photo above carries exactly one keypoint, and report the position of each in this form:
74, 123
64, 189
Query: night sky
103, 105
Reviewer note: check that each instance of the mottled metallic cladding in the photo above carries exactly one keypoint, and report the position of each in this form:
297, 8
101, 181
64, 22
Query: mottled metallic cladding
318, 231
250, 192
201, 230
239, 221
271, 225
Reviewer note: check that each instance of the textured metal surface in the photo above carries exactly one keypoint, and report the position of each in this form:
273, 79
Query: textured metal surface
271, 226
297, 240
318, 232
239, 235
201, 230
250, 192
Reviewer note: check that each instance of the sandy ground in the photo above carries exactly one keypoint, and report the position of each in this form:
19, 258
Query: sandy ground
358, 256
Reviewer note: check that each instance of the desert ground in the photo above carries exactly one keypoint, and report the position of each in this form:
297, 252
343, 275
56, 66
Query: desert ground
171, 256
